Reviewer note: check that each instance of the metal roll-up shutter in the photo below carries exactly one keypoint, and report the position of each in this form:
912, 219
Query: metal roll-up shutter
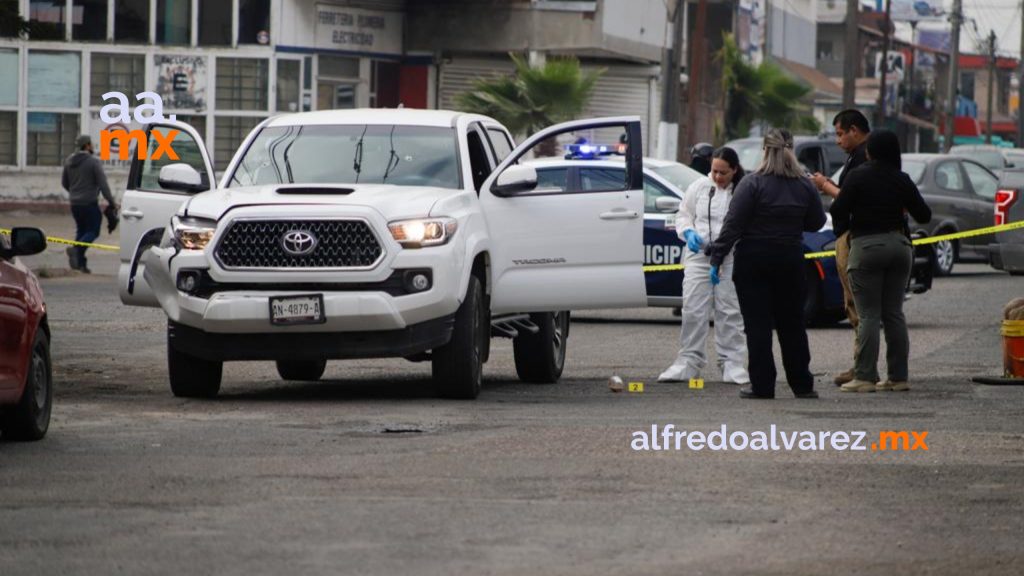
458, 76
627, 91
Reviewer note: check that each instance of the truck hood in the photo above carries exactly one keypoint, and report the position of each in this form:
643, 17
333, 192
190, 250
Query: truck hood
393, 202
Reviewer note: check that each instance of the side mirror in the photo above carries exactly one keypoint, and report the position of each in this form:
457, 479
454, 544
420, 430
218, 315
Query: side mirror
27, 241
667, 204
515, 179
181, 177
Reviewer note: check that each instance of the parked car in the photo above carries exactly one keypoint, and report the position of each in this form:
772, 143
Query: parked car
961, 194
995, 158
665, 183
375, 233
26, 376
1007, 252
815, 153
1015, 156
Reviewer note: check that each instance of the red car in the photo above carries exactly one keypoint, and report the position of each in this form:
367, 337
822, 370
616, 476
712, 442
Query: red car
26, 393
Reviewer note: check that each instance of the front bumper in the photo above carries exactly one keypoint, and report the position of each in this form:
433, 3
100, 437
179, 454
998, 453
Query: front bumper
312, 346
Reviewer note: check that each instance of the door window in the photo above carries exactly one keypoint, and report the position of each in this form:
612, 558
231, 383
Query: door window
188, 152
947, 177
500, 142
602, 179
983, 182
552, 180
810, 157
479, 162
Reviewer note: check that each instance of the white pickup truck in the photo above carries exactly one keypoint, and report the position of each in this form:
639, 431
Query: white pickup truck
375, 233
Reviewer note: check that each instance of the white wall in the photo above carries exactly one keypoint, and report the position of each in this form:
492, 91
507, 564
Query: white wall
642, 21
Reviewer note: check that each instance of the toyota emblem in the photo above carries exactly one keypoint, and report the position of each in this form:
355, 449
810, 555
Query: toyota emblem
298, 242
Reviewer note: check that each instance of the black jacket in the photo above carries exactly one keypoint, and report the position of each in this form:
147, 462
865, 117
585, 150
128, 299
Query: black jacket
873, 199
769, 209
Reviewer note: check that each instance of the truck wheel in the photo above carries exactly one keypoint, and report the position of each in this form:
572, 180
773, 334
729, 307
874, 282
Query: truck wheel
192, 377
30, 418
301, 370
540, 357
457, 367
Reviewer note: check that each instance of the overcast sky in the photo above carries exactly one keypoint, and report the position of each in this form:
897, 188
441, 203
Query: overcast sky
1002, 16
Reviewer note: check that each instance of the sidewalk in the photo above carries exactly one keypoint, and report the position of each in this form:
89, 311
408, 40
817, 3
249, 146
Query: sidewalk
54, 261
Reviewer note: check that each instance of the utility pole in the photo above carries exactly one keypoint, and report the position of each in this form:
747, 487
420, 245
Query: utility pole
668, 128
695, 70
991, 84
955, 19
881, 110
851, 54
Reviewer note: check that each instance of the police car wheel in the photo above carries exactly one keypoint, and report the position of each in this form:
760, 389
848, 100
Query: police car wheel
308, 370
540, 357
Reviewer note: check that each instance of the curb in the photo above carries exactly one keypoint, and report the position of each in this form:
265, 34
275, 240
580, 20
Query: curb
45, 206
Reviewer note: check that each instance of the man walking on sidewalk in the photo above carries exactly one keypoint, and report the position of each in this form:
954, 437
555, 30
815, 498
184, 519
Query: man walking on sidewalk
84, 180
852, 132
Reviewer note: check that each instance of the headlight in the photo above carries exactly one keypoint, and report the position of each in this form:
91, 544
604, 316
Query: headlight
193, 233
427, 232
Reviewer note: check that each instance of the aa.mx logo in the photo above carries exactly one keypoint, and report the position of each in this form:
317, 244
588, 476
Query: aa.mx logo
120, 140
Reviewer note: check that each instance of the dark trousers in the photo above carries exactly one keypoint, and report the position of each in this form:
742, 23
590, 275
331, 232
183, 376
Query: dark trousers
88, 220
771, 288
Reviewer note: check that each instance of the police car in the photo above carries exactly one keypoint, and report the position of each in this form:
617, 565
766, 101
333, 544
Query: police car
597, 167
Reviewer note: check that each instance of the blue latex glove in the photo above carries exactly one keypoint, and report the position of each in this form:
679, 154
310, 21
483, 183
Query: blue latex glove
714, 276
693, 240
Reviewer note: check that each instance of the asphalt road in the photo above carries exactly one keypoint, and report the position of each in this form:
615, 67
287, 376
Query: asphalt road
366, 473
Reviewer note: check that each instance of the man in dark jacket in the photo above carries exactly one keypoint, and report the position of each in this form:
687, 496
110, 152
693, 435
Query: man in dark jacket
852, 131
84, 180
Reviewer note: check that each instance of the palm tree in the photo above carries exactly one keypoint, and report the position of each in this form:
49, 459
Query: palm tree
760, 93
534, 97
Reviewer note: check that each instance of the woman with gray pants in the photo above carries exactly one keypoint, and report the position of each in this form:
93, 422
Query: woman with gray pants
872, 205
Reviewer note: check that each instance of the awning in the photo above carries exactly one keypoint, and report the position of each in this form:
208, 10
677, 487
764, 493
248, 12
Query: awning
822, 84
917, 122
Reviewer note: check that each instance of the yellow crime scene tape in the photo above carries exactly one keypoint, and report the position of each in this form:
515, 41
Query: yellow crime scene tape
918, 242
673, 267
71, 242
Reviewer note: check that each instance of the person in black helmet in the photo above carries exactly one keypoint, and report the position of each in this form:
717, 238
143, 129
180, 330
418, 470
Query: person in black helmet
700, 157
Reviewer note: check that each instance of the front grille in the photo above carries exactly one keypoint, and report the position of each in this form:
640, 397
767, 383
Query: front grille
259, 244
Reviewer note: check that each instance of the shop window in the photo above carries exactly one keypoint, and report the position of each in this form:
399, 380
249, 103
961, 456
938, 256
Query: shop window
173, 21
54, 79
9, 25
131, 21
51, 137
116, 73
181, 81
253, 21
8, 138
9, 75
230, 132
46, 19
89, 20
288, 85
215, 23
242, 83
338, 67
196, 121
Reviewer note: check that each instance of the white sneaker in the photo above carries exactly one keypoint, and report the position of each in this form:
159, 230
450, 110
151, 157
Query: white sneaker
677, 373
735, 373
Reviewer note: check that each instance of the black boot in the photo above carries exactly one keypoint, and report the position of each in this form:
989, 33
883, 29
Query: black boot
83, 262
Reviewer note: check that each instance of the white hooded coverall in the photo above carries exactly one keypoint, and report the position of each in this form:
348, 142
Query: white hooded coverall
704, 212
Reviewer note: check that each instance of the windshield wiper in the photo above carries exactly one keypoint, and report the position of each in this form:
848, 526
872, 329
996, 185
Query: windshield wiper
357, 162
393, 158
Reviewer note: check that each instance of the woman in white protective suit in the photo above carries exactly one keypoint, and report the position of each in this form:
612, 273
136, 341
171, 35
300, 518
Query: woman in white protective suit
698, 223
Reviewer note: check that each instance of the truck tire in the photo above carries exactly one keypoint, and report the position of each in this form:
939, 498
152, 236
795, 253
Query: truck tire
540, 357
30, 417
301, 370
192, 377
457, 367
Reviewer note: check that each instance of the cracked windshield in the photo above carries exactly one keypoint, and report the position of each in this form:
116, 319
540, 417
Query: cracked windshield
351, 154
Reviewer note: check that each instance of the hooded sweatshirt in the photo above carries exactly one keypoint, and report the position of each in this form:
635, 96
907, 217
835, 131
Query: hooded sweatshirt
84, 179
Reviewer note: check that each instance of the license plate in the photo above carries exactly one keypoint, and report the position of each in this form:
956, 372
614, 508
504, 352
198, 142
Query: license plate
306, 309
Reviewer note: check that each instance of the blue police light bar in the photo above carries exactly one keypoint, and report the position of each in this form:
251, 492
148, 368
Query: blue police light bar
585, 151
